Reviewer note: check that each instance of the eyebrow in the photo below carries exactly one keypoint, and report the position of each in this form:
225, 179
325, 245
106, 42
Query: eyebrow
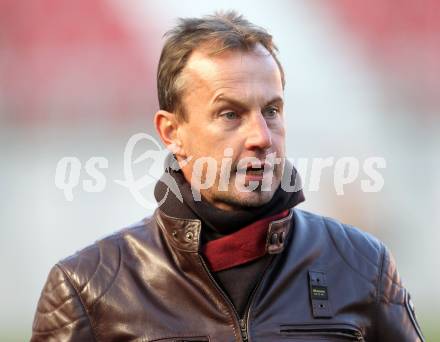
238, 103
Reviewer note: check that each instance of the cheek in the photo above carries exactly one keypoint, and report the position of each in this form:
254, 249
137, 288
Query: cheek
193, 139
278, 139
199, 146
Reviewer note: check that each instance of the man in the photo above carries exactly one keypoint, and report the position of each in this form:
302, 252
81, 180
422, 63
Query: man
226, 256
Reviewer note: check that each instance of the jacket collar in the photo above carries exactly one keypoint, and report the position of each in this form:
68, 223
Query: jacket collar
184, 234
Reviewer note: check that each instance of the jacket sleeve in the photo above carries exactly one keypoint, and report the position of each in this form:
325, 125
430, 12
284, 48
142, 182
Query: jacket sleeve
396, 320
60, 314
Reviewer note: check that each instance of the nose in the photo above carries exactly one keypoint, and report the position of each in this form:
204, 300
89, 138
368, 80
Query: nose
259, 135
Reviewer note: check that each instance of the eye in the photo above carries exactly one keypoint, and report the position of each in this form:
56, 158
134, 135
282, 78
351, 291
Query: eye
230, 115
271, 112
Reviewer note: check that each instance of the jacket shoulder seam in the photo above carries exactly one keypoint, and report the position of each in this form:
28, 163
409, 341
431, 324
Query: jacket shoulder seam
379, 288
382, 297
340, 252
96, 300
68, 278
380, 275
346, 227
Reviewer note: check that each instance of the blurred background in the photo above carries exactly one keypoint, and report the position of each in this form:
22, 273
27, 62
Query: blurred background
77, 79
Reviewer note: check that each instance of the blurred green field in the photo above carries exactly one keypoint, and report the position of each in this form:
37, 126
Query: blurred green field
431, 331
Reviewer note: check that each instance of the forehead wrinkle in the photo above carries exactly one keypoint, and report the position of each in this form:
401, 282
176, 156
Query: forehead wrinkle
233, 86
249, 100
228, 86
204, 73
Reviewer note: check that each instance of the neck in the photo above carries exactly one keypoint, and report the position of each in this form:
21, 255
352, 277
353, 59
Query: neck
174, 195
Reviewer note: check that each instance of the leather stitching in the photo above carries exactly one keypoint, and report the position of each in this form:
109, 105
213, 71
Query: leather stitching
164, 230
45, 332
80, 299
65, 300
379, 290
357, 251
341, 254
54, 287
199, 261
96, 300
94, 272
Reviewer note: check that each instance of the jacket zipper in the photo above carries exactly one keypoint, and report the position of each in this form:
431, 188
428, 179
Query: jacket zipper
225, 297
243, 329
242, 322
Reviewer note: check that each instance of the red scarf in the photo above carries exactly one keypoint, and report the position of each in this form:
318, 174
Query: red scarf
246, 244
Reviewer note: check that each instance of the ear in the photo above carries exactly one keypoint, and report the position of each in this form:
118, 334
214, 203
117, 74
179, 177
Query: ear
167, 126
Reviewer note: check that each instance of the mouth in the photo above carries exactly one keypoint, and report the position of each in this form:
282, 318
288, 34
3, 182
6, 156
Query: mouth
256, 172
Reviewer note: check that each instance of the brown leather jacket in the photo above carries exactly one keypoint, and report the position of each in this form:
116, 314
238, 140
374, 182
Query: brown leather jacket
326, 282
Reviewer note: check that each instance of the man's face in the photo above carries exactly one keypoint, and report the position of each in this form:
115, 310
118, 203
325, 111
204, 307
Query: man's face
234, 116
